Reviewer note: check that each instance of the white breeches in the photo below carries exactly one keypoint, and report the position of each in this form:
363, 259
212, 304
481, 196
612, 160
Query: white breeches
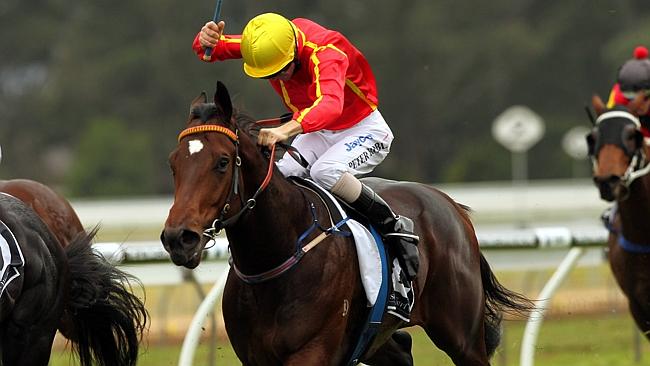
356, 150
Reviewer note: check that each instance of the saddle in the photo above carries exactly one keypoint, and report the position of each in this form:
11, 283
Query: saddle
11, 257
400, 297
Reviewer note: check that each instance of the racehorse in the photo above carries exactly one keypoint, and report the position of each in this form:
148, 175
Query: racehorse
51, 207
620, 171
106, 320
312, 314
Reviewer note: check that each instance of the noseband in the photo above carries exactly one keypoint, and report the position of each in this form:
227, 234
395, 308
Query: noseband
638, 166
220, 223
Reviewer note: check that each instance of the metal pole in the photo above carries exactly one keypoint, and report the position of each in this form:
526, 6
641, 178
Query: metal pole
189, 276
519, 183
637, 344
537, 316
193, 335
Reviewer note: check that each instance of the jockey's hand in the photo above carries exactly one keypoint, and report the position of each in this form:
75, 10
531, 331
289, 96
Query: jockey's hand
211, 33
270, 136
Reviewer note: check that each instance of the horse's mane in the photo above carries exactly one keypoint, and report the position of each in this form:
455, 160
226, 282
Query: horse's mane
245, 123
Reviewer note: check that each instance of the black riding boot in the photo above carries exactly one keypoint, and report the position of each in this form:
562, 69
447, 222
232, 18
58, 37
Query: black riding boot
397, 230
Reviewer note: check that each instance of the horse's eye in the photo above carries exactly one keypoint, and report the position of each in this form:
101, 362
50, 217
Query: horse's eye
222, 164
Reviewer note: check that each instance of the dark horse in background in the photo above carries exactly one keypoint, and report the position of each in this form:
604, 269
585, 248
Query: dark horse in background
313, 313
620, 170
55, 211
64, 284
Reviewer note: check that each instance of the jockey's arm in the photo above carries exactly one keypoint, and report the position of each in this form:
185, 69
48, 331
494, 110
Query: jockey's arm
224, 47
270, 136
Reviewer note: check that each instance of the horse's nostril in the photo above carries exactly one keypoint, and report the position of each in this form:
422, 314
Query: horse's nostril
189, 238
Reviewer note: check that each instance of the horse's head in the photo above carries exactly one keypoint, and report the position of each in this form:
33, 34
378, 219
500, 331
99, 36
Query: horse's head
204, 164
617, 150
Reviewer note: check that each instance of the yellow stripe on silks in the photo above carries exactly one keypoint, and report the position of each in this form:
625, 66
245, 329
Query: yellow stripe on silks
319, 95
611, 101
287, 100
316, 61
230, 40
360, 94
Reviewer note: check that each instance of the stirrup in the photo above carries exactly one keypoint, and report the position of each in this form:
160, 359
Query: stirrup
408, 236
403, 229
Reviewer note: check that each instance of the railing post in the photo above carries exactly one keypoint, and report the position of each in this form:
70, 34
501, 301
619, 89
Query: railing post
537, 316
193, 335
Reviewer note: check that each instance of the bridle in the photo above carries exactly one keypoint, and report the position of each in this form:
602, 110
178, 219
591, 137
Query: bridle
221, 222
638, 165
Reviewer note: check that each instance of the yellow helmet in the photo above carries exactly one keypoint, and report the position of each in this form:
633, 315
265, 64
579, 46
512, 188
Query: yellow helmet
267, 45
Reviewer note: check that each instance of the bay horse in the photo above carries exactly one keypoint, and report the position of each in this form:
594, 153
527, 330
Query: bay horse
620, 171
313, 313
51, 207
105, 321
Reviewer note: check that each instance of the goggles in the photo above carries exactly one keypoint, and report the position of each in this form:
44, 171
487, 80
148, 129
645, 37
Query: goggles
284, 69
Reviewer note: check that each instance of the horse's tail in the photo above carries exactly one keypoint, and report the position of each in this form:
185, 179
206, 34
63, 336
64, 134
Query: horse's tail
499, 299
108, 320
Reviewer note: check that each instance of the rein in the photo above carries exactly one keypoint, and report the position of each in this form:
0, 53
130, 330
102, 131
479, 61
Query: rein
623, 242
220, 223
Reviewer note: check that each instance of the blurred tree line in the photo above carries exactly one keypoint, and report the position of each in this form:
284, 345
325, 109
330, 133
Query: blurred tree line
93, 94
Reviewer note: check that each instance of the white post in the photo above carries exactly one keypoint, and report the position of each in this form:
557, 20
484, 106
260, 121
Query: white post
535, 322
193, 335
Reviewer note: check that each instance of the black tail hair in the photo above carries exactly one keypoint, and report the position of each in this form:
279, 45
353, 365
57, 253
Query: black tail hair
498, 300
108, 320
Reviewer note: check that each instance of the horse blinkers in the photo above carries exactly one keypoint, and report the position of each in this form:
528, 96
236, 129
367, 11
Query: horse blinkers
622, 142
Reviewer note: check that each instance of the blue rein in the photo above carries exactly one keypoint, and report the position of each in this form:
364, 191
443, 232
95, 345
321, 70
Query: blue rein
627, 245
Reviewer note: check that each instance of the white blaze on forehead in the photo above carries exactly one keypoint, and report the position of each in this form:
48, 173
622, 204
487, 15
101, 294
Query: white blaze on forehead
195, 146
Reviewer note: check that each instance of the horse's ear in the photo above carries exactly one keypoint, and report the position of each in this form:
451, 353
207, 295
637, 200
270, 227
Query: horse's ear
200, 99
598, 104
222, 98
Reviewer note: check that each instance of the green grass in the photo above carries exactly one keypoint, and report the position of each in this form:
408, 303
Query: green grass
585, 327
605, 340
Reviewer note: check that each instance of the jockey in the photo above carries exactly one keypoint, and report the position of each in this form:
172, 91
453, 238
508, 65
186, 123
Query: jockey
329, 86
633, 78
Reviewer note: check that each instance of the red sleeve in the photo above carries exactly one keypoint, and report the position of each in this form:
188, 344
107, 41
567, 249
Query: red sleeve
227, 48
328, 68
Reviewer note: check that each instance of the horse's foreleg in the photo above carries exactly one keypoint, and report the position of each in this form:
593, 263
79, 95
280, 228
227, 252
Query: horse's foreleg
27, 347
641, 315
395, 352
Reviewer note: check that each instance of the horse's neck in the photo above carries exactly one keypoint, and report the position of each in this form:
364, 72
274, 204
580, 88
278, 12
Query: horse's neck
266, 235
635, 211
